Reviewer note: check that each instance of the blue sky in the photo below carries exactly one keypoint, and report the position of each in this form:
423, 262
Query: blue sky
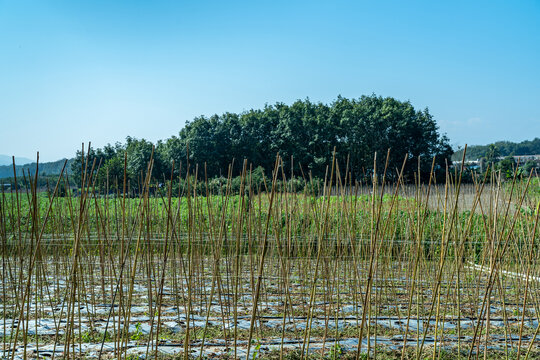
79, 71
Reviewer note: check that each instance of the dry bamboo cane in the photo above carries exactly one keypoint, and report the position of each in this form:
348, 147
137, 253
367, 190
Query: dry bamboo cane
263, 254
499, 252
375, 231
237, 256
218, 245
443, 252
305, 345
529, 264
165, 256
33, 259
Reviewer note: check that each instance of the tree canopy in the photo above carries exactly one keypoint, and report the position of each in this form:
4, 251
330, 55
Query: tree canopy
504, 148
303, 133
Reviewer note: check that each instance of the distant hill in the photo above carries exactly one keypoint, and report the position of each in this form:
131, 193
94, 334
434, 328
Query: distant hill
47, 168
506, 148
6, 160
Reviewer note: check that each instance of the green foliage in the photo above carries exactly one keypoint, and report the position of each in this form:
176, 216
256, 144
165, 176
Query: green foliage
492, 154
304, 134
314, 187
138, 332
504, 148
531, 166
507, 166
335, 352
257, 348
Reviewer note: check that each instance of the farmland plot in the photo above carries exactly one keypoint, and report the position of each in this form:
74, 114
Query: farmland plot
356, 271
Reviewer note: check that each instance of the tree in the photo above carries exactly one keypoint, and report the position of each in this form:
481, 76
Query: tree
83, 163
529, 166
507, 166
172, 149
139, 153
111, 174
492, 154
304, 134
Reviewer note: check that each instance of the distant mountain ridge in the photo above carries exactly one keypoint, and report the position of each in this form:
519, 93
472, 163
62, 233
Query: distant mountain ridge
7, 160
46, 168
506, 148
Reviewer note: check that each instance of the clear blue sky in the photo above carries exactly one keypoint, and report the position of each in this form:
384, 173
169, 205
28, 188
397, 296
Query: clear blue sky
74, 71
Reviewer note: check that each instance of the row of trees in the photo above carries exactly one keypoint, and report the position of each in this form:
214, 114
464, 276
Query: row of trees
508, 165
304, 134
503, 148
